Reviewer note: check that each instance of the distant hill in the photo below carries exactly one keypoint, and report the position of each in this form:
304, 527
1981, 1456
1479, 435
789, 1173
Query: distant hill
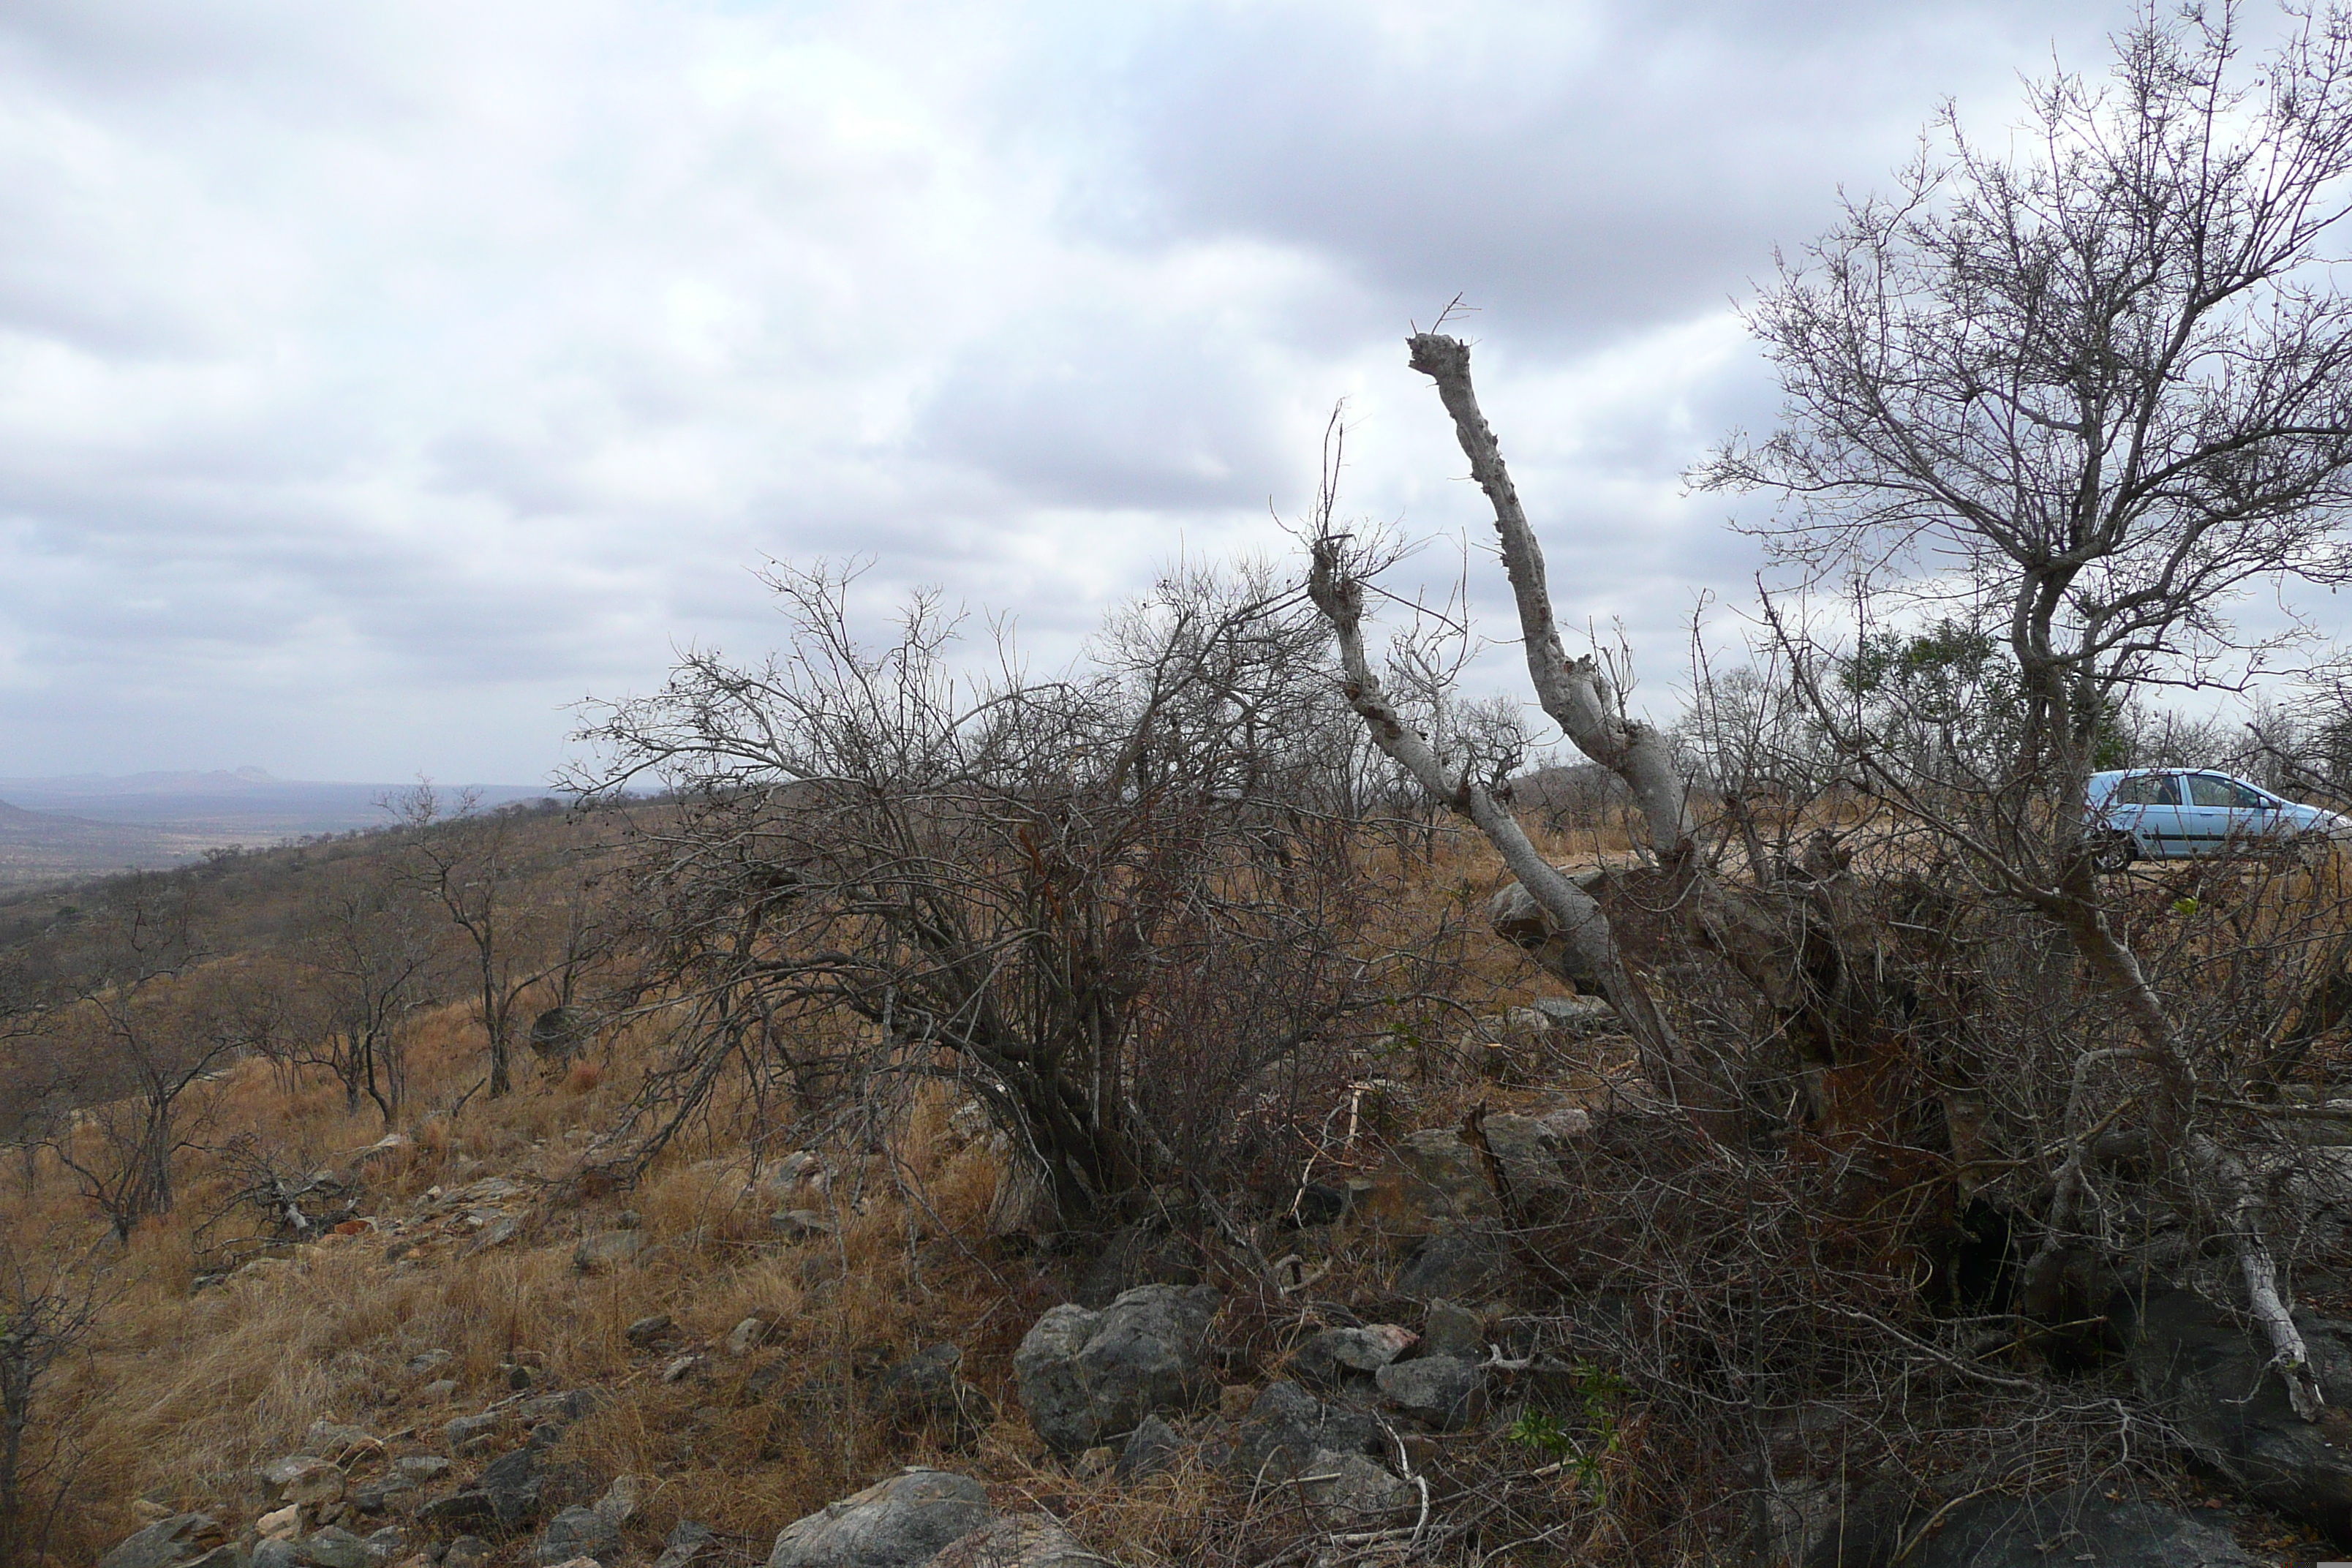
90, 824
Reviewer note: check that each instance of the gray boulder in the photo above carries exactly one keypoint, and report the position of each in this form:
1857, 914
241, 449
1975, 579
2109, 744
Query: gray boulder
333, 1547
173, 1543
1432, 1183
1020, 1540
1328, 1359
301, 1478
1447, 1329
1454, 1268
2210, 1378
1086, 1376
1446, 1391
577, 1532
1153, 1447
1286, 1427
2079, 1527
512, 1491
901, 1522
689, 1543
1350, 1492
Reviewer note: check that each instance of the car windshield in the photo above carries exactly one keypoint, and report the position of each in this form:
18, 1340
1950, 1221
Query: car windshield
2206, 789
2145, 789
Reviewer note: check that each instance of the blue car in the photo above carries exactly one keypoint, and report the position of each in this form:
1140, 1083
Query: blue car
2166, 813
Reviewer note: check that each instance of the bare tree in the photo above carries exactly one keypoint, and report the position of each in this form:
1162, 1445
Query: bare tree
2091, 391
1111, 906
50, 1299
138, 1030
367, 963
475, 866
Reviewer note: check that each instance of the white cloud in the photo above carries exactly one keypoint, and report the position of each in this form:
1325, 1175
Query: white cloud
374, 382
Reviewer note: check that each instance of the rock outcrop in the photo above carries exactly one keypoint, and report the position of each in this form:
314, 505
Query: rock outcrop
1085, 1377
2209, 1377
902, 1522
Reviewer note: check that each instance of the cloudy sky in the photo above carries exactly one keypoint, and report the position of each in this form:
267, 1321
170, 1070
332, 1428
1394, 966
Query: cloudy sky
375, 381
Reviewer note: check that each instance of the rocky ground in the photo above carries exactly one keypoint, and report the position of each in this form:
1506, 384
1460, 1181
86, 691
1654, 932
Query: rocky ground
1394, 1408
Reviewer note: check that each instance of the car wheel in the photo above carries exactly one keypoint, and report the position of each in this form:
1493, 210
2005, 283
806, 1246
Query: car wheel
2113, 854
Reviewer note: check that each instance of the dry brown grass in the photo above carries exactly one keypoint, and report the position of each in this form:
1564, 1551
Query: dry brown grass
187, 1390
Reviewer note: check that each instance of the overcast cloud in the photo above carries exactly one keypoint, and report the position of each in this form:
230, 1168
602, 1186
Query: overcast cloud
377, 381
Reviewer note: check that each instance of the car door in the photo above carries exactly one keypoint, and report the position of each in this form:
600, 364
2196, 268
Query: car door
2147, 807
2220, 810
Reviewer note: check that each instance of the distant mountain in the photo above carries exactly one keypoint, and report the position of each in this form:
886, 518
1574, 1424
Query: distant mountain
90, 824
219, 781
247, 805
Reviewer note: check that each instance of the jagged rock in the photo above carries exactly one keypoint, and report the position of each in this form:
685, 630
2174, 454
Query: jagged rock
509, 1492
901, 1522
799, 1224
1446, 1391
303, 1479
470, 1505
788, 1175
1134, 1256
422, 1468
1085, 1376
280, 1524
1447, 1329
1151, 1448
1452, 1266
332, 1440
1018, 1541
464, 1434
426, 1361
1350, 1492
679, 1368
2210, 1379
467, 1552
1326, 1360
645, 1330
573, 1405
927, 1390
689, 1543
386, 1544
1432, 1183
607, 1250
1286, 1426
1528, 1150
621, 1501
175, 1542
373, 1496
2078, 1527
332, 1548
577, 1532
498, 1233
438, 1392
1575, 1014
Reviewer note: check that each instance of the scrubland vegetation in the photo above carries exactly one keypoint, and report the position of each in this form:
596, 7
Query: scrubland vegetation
1888, 1176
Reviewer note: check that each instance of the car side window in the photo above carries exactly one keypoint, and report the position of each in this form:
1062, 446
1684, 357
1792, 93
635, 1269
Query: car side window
2145, 789
2204, 789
